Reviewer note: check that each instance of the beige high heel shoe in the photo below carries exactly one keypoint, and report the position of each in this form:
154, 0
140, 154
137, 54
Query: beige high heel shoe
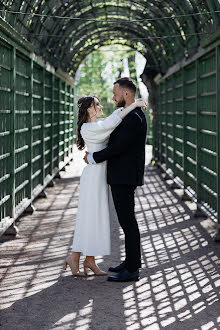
93, 267
74, 266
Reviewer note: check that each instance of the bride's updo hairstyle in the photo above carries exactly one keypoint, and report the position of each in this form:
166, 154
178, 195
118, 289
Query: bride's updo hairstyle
84, 103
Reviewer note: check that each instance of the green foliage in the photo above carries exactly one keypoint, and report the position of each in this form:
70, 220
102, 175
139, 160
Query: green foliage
100, 69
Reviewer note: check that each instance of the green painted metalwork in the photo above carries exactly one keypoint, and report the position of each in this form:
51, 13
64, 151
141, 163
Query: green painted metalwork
186, 145
37, 109
36, 127
178, 128
67, 31
149, 139
218, 129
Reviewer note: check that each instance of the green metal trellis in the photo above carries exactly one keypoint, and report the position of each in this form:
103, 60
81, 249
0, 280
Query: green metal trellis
187, 142
65, 32
36, 105
36, 125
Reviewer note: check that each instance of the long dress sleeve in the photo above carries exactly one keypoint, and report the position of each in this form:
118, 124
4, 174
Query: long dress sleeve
99, 131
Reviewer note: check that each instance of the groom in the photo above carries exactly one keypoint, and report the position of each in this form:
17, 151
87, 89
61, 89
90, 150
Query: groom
125, 154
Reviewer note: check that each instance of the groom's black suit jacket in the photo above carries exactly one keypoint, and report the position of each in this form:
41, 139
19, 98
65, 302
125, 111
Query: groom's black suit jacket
126, 150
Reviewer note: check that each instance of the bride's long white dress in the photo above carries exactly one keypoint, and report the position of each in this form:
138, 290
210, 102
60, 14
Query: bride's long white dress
92, 229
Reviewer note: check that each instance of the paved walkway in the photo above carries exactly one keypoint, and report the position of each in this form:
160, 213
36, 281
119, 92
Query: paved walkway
180, 278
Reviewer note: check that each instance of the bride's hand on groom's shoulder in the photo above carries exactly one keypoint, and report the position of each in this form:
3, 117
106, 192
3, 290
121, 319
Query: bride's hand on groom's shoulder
85, 157
141, 103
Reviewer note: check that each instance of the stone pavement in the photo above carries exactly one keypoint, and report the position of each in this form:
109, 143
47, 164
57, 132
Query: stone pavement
180, 277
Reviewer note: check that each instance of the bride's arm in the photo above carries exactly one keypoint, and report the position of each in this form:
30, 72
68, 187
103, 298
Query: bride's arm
112, 121
123, 112
98, 131
120, 114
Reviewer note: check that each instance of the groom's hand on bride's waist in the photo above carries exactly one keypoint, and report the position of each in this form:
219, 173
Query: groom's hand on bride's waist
88, 158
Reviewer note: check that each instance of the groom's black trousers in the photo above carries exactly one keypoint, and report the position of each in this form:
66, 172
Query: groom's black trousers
123, 197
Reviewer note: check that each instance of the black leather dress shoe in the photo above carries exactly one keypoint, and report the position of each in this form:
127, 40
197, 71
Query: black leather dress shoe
124, 276
118, 268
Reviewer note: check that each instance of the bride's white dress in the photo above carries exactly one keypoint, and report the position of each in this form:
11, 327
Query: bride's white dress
92, 229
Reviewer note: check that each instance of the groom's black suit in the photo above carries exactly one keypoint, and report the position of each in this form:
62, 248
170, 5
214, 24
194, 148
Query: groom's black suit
125, 171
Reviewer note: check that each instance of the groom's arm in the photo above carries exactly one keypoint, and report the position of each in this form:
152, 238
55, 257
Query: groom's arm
126, 136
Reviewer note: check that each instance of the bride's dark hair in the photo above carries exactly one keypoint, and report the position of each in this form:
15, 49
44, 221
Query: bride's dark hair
83, 103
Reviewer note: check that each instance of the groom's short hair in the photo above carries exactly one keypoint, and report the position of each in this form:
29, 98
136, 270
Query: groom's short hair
127, 83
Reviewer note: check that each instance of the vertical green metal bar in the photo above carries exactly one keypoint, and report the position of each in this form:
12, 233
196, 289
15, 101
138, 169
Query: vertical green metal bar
217, 237
73, 117
156, 122
183, 124
62, 137
30, 131
148, 124
154, 153
30, 208
52, 125
198, 212
184, 196
158, 135
59, 126
70, 120
43, 127
12, 139
174, 126
75, 114
166, 124
197, 139
65, 125
160, 148
166, 129
174, 121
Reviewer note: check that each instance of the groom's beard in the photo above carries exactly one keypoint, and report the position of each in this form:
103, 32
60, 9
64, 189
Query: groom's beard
121, 103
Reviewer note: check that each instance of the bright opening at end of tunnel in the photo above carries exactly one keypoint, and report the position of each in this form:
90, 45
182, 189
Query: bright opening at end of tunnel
101, 68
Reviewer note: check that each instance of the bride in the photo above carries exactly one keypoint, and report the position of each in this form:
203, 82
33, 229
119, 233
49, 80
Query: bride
92, 229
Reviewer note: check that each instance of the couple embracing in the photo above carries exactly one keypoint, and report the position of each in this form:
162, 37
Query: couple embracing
115, 157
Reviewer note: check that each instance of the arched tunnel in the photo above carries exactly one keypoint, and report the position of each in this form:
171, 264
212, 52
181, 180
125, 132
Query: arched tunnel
65, 32
179, 40
42, 45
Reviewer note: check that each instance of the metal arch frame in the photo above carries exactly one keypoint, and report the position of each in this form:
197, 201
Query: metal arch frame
57, 12
95, 41
80, 26
16, 5
46, 5
167, 55
138, 15
82, 30
129, 33
82, 46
